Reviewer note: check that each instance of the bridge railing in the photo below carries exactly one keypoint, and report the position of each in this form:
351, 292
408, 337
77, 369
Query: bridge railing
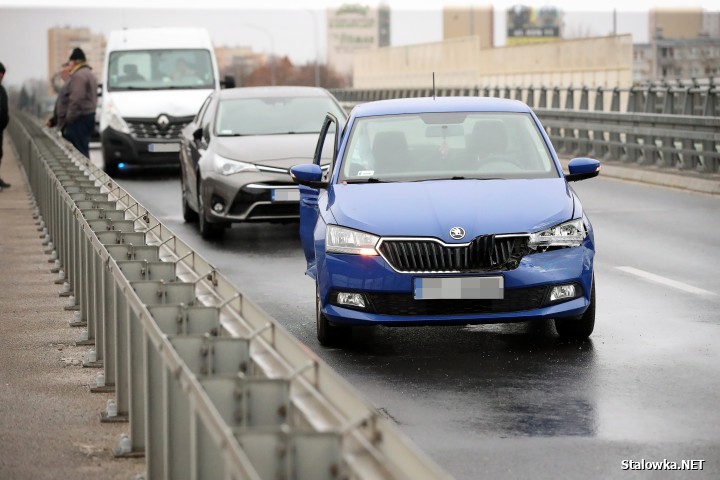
211, 386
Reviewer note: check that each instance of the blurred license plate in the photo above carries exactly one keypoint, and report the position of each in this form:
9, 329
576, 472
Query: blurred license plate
478, 288
286, 195
163, 147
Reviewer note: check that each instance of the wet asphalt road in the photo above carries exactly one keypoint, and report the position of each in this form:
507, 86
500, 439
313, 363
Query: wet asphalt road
512, 401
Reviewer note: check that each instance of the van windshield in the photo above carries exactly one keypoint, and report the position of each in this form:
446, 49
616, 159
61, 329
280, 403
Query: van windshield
160, 70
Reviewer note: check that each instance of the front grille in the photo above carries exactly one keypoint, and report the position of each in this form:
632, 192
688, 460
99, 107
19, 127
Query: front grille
252, 203
484, 253
516, 300
149, 128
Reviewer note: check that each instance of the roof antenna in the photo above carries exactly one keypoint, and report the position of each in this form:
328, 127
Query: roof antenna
433, 85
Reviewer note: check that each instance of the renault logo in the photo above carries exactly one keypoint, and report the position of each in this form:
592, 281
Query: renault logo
457, 233
163, 121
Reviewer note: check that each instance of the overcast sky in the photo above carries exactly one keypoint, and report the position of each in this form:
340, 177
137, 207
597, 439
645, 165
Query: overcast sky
282, 27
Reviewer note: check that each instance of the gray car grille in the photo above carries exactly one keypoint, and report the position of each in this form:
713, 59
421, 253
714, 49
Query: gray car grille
484, 253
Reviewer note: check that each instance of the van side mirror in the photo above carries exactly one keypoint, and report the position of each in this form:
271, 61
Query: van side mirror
228, 82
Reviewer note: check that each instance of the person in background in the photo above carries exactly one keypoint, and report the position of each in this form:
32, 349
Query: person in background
4, 119
81, 97
60, 110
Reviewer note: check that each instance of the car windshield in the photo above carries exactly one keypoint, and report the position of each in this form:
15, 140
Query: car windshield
274, 115
446, 146
160, 70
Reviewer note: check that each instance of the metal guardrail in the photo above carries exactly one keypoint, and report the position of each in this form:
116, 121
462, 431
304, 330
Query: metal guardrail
652, 131
212, 387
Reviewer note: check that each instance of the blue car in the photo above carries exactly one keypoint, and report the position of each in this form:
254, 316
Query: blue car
445, 211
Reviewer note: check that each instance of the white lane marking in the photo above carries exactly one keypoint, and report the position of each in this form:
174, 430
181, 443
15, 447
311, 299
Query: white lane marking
665, 281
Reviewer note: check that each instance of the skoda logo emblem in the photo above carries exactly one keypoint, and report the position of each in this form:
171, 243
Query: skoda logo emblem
457, 233
163, 121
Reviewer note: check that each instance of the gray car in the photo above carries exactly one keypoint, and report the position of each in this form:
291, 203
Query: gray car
236, 154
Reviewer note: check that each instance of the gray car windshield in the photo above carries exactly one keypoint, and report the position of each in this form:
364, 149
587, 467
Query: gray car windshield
273, 115
446, 146
160, 70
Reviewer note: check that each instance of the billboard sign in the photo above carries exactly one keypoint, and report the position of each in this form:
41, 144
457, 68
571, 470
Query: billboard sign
530, 25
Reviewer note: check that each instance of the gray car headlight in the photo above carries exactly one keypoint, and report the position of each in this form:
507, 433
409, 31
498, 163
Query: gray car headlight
568, 234
225, 166
346, 240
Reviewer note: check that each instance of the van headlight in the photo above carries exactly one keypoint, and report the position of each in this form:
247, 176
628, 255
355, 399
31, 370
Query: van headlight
225, 166
346, 240
113, 118
568, 234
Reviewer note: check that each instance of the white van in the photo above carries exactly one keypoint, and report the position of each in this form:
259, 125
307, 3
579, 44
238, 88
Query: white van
154, 82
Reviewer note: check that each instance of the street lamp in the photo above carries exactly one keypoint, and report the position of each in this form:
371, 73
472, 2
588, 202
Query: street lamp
272, 49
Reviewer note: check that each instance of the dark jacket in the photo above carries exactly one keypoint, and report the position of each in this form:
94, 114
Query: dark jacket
81, 93
4, 114
60, 110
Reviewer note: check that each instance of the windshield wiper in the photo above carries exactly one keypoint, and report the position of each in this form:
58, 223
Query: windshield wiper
457, 178
367, 180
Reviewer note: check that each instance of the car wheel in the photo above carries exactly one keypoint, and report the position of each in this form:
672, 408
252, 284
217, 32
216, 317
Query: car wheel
189, 215
578, 328
208, 231
327, 334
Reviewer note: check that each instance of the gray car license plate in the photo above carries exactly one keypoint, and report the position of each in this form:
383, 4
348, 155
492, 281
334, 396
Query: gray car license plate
163, 147
286, 195
459, 288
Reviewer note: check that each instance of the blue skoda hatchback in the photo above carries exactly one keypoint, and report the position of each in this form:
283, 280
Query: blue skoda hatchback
442, 211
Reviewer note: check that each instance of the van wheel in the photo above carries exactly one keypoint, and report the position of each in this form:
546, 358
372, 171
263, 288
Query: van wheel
328, 335
578, 328
110, 166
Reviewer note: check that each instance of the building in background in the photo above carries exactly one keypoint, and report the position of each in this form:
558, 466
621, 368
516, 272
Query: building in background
533, 25
675, 22
353, 28
62, 40
469, 21
684, 44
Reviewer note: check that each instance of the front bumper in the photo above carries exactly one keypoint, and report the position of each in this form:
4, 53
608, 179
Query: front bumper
251, 197
122, 147
389, 294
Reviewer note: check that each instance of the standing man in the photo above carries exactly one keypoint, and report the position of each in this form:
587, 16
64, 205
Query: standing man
60, 110
81, 95
4, 118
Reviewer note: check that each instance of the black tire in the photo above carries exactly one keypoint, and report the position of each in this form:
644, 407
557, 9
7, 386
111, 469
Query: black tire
110, 166
328, 335
189, 215
578, 328
208, 231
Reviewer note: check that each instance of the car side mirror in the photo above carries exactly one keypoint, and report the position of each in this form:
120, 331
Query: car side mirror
198, 134
582, 168
309, 175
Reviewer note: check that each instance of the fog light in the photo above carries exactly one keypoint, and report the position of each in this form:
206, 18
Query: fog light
562, 292
351, 299
218, 207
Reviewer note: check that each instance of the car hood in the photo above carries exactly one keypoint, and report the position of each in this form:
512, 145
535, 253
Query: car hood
431, 209
152, 103
271, 150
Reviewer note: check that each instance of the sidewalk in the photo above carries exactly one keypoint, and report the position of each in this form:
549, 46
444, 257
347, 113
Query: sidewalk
49, 421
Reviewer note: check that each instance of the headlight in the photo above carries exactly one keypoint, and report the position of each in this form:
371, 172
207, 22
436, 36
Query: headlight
568, 234
345, 240
113, 118
226, 166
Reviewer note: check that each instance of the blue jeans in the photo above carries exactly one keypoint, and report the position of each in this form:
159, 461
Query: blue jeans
78, 133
